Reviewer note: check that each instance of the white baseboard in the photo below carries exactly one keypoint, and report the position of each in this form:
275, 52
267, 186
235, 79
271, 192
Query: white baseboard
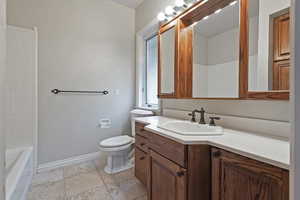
67, 162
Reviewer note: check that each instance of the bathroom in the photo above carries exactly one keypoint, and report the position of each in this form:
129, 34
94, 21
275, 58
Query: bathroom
149, 99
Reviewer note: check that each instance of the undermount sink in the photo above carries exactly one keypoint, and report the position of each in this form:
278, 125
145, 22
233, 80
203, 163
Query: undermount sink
191, 128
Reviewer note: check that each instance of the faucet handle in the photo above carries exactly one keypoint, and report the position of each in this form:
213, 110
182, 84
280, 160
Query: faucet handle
212, 120
193, 116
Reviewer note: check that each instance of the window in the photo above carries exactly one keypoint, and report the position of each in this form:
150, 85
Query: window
151, 74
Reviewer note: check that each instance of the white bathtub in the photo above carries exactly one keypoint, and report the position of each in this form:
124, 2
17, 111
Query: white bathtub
19, 171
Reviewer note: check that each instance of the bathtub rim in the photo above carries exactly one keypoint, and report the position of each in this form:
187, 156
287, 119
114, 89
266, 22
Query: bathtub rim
15, 174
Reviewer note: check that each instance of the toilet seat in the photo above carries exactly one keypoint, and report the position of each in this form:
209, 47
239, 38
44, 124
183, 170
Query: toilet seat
116, 143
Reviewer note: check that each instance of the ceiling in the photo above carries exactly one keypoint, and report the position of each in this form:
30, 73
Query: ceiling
129, 3
226, 20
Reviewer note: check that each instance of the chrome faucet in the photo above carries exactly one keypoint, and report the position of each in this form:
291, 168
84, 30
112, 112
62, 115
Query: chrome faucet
202, 115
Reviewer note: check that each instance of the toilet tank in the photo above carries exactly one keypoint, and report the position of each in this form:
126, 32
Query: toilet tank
138, 113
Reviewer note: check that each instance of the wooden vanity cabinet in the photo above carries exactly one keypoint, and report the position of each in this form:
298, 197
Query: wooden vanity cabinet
167, 180
171, 170
141, 169
174, 171
141, 165
236, 177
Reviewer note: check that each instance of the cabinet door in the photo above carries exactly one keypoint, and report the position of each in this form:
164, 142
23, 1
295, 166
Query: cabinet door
141, 165
281, 76
167, 180
236, 178
282, 37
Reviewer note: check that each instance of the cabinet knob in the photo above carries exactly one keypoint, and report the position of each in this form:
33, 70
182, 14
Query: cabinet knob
180, 173
142, 158
217, 154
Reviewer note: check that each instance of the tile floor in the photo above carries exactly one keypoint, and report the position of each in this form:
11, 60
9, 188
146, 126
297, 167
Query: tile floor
86, 181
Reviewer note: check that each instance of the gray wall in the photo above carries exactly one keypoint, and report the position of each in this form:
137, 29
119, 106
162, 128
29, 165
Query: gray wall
87, 45
276, 110
2, 76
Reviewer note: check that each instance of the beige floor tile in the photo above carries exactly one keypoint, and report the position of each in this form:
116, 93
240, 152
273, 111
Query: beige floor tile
48, 177
124, 176
100, 163
82, 183
106, 177
129, 190
48, 191
98, 193
73, 170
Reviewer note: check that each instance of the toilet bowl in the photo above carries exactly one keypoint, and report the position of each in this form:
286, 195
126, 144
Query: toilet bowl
119, 149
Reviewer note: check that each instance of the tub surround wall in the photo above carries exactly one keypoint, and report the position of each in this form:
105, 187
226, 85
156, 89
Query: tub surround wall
21, 89
2, 76
83, 45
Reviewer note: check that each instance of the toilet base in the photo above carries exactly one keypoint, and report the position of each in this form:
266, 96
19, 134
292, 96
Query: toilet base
118, 162
109, 170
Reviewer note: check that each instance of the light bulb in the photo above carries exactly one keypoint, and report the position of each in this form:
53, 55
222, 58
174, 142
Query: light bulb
218, 11
169, 10
206, 17
233, 3
179, 3
161, 16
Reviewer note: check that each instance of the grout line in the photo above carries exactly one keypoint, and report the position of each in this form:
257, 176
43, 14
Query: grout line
105, 185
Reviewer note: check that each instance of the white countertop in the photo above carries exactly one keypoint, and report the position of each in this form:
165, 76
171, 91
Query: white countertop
265, 149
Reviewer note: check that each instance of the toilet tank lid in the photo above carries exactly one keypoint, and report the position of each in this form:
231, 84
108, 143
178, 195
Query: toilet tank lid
141, 112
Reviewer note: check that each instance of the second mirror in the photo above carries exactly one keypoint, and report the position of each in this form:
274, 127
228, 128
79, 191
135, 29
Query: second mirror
216, 53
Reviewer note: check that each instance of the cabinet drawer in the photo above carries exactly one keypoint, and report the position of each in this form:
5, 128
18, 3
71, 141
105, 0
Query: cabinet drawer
170, 149
141, 166
141, 143
139, 129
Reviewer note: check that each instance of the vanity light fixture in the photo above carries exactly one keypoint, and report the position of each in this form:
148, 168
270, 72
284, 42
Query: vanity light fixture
170, 10
180, 3
218, 11
190, 5
233, 3
161, 16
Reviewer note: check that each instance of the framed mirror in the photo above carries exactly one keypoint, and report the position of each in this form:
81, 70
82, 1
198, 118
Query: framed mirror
216, 45
167, 61
269, 49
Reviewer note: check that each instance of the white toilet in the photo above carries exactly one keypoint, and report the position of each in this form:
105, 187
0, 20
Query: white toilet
119, 149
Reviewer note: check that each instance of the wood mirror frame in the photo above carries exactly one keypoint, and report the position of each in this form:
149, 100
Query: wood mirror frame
194, 15
182, 70
244, 73
184, 51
